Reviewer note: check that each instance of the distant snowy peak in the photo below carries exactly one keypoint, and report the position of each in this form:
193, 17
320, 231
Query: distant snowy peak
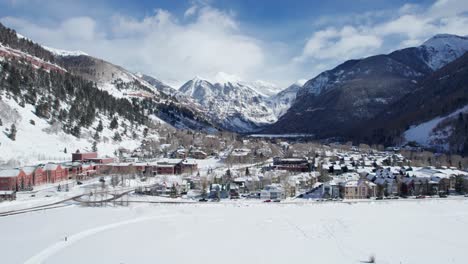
263, 88
65, 53
197, 88
443, 49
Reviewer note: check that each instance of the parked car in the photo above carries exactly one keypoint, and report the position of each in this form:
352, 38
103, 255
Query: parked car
102, 179
442, 195
466, 195
277, 200
420, 197
79, 183
203, 200
267, 201
379, 198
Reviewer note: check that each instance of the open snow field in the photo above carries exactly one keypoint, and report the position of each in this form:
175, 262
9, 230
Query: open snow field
241, 232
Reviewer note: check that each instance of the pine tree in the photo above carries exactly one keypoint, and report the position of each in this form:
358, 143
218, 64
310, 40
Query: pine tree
65, 150
145, 132
94, 147
96, 136
247, 172
114, 123
1, 123
99, 128
12, 135
117, 136
76, 131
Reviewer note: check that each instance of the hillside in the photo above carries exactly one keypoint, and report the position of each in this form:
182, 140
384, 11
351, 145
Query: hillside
433, 115
53, 103
340, 101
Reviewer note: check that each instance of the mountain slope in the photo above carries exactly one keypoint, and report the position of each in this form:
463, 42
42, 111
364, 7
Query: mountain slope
342, 99
433, 115
281, 102
121, 83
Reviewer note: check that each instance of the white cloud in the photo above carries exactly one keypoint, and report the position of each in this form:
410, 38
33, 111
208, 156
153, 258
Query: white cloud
346, 43
159, 44
410, 26
204, 40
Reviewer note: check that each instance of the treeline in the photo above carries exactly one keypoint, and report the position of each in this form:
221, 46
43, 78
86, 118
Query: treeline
9, 38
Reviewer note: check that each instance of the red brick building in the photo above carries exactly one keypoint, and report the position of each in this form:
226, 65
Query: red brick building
9, 179
85, 156
55, 172
39, 176
27, 181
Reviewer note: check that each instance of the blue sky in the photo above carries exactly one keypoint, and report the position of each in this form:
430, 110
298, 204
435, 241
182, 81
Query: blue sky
275, 41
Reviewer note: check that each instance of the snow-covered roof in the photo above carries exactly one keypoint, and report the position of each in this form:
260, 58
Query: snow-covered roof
169, 161
189, 162
29, 169
351, 184
51, 166
9, 173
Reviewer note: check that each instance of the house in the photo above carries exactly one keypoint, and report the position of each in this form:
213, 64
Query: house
180, 153
9, 179
219, 191
240, 155
330, 189
188, 166
198, 154
272, 192
175, 166
168, 166
359, 189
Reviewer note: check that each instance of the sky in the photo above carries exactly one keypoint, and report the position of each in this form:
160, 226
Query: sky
270, 40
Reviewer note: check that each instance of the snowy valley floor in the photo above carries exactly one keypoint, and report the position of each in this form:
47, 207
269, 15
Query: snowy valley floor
430, 231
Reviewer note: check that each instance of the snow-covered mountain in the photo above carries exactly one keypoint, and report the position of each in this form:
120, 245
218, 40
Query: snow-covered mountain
235, 105
262, 87
341, 101
414, 63
443, 49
